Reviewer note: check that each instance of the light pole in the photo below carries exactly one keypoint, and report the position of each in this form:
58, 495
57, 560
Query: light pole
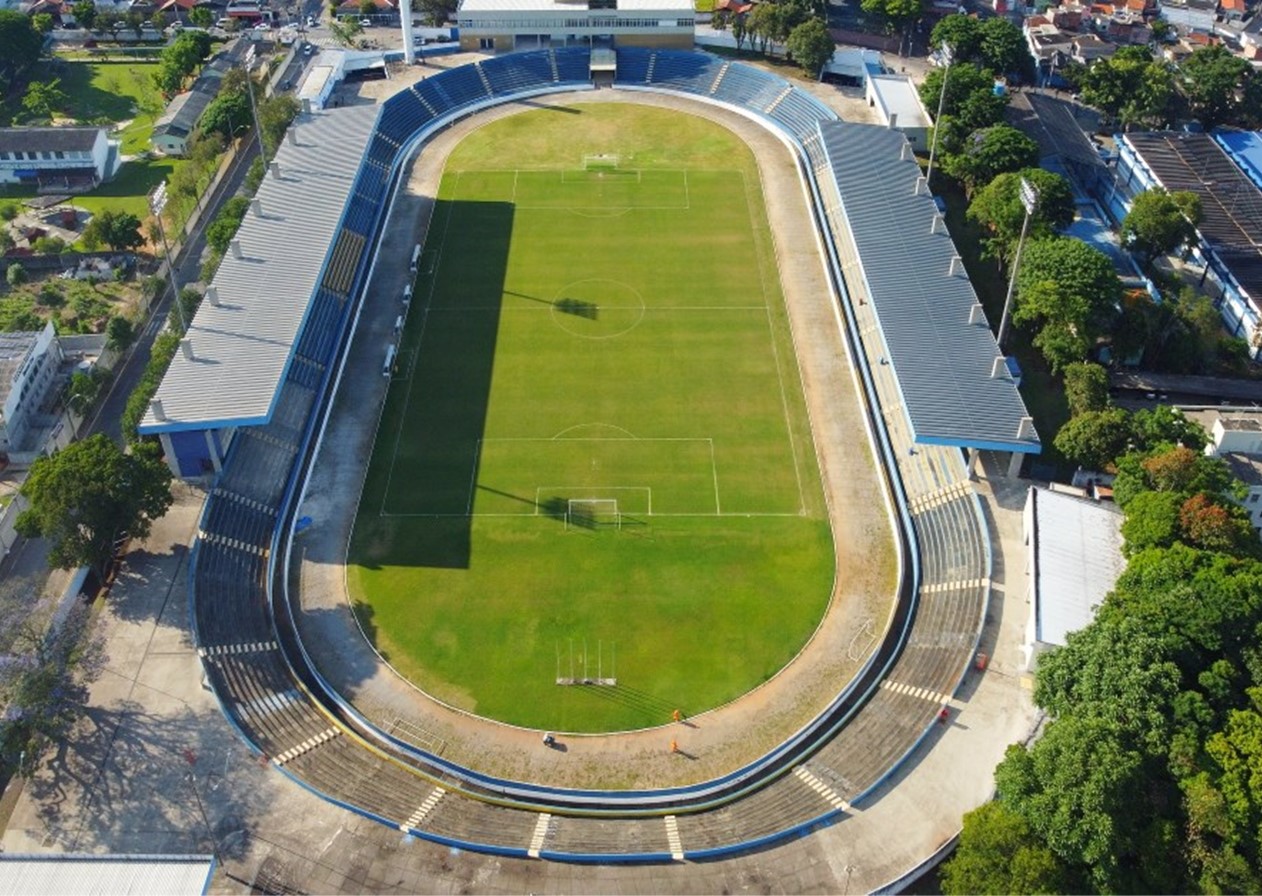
1029, 201
937, 122
158, 202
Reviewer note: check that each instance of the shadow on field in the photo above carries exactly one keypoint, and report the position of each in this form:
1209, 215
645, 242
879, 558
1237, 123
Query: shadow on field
440, 417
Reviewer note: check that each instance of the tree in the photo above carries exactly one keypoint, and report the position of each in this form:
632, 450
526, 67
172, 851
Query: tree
999, 853
45, 673
1086, 387
899, 14
43, 23
1152, 521
1130, 87
276, 114
962, 33
997, 207
1094, 439
811, 46
201, 16
180, 59
1003, 48
88, 496
1212, 526
345, 32
989, 152
20, 46
740, 30
1082, 787
221, 230
1210, 78
118, 230
119, 333
84, 389
1160, 222
85, 13
43, 98
15, 275
1071, 291
367, 7
1165, 426
228, 115
437, 11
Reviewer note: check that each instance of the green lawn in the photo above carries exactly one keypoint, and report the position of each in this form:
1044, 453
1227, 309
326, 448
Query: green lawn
582, 338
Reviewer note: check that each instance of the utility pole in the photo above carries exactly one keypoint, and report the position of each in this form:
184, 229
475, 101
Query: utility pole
158, 202
1030, 201
947, 58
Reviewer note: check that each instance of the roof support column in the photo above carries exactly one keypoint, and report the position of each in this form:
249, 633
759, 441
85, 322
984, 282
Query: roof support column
168, 454
213, 450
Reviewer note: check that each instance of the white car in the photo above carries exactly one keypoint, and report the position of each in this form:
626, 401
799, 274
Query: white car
365, 22
311, 21
262, 26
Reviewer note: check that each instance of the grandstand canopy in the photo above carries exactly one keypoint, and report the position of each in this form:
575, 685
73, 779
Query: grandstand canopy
241, 346
1245, 149
938, 341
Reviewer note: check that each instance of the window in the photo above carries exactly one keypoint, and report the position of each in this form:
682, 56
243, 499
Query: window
486, 43
1253, 498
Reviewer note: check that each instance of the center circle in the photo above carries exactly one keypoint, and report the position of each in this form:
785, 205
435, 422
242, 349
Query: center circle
597, 308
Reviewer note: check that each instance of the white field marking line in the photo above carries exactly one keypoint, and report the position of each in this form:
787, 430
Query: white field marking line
682, 514
771, 331
610, 211
714, 474
647, 307
420, 338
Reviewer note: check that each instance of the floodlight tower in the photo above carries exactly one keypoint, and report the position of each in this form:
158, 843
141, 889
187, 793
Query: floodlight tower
405, 19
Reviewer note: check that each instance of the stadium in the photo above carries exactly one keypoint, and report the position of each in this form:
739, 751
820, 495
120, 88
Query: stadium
278, 396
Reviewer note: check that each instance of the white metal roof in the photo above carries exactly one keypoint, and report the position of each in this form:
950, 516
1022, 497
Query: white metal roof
1078, 558
899, 97
69, 875
241, 347
673, 6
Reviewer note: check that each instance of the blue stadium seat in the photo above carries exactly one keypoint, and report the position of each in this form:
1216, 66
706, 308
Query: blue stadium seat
633, 65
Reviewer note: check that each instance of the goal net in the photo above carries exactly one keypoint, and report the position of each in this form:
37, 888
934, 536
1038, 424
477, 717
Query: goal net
605, 161
593, 513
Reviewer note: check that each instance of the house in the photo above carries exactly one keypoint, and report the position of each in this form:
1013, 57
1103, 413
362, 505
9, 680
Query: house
353, 8
1251, 39
69, 159
28, 368
1236, 437
1073, 559
1087, 48
1231, 10
1127, 28
174, 128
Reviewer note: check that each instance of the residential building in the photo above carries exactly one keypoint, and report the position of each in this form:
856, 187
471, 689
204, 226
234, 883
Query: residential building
1231, 10
1087, 48
28, 368
1237, 439
61, 159
1251, 38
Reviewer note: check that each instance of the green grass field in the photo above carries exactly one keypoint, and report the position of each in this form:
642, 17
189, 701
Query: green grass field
583, 336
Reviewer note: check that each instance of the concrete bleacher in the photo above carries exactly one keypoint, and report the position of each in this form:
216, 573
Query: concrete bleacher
237, 633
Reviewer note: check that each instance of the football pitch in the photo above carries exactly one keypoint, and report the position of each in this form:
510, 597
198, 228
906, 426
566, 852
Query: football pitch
594, 461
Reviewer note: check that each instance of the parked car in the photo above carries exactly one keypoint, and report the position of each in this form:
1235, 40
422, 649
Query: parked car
308, 49
365, 22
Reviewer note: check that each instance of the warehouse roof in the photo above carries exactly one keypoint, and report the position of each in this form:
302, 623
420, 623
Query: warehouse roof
242, 346
936, 337
1077, 547
69, 874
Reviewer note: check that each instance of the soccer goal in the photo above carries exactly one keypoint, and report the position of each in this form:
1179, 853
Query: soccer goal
593, 513
605, 161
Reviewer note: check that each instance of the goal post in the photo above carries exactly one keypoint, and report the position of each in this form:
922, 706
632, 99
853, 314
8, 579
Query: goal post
593, 513
604, 161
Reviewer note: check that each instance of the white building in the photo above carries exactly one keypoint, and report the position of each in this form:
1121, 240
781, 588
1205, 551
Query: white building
28, 368
1237, 439
1073, 558
897, 103
57, 158
527, 24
